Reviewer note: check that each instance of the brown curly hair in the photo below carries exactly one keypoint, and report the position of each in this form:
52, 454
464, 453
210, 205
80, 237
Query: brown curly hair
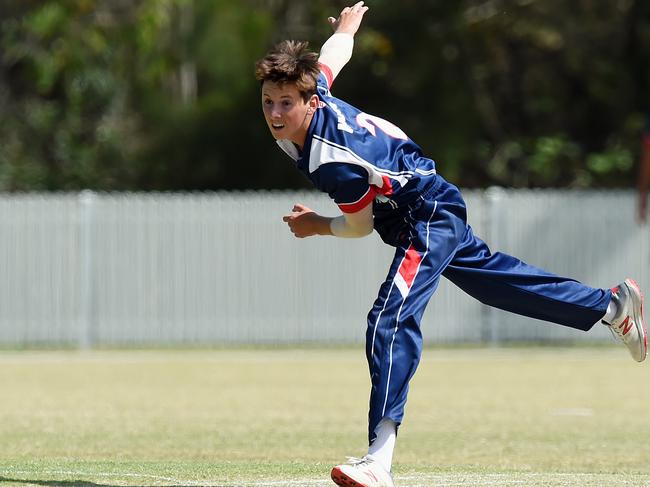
290, 62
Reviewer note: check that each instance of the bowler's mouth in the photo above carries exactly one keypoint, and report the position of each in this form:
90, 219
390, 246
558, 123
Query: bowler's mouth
277, 126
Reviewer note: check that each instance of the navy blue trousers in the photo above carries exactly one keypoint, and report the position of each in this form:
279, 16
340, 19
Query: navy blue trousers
432, 238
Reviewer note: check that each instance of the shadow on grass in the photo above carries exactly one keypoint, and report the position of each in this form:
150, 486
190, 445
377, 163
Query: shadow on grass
83, 483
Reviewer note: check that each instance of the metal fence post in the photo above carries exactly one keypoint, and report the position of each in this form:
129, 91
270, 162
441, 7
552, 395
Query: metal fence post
494, 197
87, 201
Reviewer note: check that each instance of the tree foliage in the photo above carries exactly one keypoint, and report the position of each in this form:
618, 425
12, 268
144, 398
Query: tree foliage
160, 94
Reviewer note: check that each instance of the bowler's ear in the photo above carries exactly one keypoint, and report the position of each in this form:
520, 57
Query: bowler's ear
313, 103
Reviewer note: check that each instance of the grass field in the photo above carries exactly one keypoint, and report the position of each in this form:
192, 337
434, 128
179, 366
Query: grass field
225, 418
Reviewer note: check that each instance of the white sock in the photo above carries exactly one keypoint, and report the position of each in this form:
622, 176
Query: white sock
383, 446
610, 314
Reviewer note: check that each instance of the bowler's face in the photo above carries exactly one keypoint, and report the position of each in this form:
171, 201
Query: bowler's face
286, 113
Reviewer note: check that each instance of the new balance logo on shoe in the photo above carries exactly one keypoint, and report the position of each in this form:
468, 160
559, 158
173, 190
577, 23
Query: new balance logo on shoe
626, 326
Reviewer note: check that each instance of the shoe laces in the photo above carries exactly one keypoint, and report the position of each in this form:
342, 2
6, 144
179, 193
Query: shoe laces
354, 461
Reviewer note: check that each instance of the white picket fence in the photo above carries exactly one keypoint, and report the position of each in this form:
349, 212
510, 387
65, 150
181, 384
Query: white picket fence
140, 269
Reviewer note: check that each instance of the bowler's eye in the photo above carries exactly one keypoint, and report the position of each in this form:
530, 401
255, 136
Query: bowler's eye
267, 101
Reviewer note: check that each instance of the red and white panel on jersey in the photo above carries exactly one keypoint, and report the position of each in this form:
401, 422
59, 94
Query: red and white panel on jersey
385, 189
329, 76
359, 204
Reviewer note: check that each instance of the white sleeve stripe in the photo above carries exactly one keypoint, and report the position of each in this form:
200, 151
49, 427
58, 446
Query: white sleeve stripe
325, 152
356, 158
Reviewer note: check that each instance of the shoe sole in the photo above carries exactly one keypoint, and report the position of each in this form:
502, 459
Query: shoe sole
343, 480
639, 320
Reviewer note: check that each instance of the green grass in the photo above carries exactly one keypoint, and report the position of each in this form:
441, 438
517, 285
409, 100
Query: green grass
498, 417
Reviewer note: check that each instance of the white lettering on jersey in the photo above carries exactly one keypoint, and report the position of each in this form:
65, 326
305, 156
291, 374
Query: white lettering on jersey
369, 122
340, 118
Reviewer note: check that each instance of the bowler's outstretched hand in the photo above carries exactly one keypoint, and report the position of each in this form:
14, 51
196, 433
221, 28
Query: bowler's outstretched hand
349, 20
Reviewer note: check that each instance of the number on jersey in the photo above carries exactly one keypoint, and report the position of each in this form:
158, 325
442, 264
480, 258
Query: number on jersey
370, 122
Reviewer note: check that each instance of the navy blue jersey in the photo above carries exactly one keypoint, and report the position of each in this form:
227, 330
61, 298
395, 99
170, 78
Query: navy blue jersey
356, 157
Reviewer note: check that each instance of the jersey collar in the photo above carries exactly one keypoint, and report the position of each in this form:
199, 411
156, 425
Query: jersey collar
287, 146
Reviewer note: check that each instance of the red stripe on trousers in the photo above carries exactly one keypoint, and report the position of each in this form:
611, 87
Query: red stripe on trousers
409, 266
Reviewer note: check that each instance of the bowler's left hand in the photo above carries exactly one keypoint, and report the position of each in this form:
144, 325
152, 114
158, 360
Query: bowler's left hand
303, 222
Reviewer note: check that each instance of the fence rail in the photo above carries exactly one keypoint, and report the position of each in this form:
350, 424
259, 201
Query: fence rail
138, 269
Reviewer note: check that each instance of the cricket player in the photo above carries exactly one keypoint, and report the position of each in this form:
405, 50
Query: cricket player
380, 180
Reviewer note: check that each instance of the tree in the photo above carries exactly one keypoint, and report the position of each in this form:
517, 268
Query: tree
160, 94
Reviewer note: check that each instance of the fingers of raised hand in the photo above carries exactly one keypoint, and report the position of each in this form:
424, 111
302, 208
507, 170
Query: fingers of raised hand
354, 8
